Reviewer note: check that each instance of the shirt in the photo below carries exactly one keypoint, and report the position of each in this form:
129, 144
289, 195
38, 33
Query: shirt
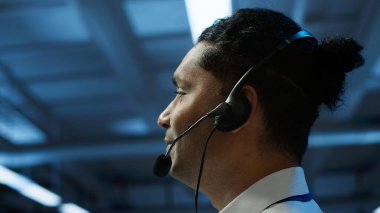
282, 184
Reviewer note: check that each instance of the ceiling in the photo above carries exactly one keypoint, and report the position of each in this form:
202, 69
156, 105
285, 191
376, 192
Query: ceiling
82, 83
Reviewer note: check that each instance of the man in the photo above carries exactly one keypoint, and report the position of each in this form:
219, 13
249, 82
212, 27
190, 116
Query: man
255, 167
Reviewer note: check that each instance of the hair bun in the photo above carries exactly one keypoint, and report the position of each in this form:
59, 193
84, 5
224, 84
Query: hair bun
343, 53
336, 56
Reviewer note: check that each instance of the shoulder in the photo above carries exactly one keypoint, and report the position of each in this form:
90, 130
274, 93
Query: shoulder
294, 207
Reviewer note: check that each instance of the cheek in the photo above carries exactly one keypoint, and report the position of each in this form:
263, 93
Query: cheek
182, 118
191, 108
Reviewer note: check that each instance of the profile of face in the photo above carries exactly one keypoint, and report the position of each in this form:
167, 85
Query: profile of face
198, 92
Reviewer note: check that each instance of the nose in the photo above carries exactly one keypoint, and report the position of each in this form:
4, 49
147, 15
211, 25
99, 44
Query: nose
164, 118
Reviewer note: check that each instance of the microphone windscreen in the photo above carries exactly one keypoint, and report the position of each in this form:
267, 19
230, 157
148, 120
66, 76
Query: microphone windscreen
162, 165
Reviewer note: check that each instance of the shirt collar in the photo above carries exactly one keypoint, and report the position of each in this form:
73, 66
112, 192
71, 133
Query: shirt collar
272, 188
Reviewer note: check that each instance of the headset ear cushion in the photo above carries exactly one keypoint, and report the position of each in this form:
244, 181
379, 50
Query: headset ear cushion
234, 116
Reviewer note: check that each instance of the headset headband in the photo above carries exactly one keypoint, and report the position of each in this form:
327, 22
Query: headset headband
287, 42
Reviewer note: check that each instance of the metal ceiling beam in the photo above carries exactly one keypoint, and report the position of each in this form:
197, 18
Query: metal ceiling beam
36, 48
38, 155
132, 148
368, 15
19, 97
74, 175
10, 7
111, 31
369, 180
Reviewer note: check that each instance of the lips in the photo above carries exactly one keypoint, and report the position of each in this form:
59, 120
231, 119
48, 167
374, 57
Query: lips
168, 141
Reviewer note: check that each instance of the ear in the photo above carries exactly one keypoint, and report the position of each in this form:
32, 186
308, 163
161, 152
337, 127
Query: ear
251, 95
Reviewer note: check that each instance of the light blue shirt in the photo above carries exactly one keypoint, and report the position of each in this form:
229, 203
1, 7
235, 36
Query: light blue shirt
272, 188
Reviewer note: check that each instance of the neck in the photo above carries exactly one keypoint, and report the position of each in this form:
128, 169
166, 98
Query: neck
239, 172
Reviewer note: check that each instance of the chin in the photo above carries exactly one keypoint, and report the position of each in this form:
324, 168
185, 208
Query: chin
183, 175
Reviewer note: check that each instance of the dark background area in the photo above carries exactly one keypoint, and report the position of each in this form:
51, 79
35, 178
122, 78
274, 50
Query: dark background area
83, 81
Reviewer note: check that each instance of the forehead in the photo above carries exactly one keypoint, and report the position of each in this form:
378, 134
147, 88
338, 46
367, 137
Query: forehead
189, 69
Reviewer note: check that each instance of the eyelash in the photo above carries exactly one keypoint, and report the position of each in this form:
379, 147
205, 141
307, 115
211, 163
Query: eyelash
179, 93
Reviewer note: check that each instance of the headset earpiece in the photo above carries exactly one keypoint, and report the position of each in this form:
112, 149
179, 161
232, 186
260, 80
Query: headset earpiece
235, 114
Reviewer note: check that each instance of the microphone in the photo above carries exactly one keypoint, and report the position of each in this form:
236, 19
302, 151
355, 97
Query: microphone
163, 162
162, 165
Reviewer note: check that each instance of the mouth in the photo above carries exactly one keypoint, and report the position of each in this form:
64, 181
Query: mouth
168, 141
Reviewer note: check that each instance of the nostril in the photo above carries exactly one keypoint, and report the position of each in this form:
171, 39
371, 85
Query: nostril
164, 125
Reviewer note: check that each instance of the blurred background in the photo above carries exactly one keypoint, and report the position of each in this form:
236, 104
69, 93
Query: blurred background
83, 81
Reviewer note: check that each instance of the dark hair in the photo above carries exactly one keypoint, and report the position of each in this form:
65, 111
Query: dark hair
293, 85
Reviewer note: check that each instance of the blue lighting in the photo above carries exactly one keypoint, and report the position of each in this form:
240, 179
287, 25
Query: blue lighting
202, 14
28, 188
33, 191
345, 138
377, 210
18, 130
133, 127
71, 208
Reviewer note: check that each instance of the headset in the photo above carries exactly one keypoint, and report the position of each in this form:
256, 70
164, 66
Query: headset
232, 113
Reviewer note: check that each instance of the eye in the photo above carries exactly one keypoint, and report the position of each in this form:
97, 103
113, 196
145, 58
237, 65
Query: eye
179, 93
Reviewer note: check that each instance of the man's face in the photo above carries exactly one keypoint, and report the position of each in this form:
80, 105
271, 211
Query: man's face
198, 92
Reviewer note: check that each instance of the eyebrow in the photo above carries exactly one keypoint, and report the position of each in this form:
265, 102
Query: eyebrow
174, 80
179, 82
